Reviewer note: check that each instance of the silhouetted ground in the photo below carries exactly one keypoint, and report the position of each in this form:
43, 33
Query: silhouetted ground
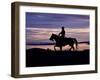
36, 57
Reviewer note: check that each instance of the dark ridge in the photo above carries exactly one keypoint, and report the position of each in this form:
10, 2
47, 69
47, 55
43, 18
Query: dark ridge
36, 57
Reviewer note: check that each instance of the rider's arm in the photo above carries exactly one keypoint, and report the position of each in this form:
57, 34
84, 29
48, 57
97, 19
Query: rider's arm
59, 33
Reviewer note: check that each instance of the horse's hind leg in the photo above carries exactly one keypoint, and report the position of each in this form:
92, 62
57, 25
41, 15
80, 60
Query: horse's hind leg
76, 43
72, 48
60, 48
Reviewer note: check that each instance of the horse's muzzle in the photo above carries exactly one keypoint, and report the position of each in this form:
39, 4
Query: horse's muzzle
51, 39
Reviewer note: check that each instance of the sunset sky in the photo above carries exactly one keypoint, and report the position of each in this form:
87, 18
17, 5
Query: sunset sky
40, 26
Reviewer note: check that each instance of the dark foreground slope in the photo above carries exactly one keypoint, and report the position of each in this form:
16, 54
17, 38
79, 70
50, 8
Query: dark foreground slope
41, 57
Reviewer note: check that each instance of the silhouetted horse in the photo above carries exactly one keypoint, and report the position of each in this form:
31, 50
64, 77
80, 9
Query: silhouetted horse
60, 42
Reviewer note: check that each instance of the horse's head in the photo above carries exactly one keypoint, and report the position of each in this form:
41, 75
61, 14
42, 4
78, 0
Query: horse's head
52, 37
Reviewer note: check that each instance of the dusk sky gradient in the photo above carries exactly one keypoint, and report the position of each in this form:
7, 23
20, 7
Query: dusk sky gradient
39, 26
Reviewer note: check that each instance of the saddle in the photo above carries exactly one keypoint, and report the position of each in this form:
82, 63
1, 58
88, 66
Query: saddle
62, 40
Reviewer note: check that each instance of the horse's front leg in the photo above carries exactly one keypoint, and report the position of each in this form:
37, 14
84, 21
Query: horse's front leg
55, 47
73, 48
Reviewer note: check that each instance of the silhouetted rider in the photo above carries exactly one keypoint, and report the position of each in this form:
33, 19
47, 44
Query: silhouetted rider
62, 33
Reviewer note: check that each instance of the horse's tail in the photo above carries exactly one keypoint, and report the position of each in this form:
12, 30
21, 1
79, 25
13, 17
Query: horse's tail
76, 42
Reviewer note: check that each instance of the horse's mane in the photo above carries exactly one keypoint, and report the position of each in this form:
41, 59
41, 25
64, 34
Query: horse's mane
55, 34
